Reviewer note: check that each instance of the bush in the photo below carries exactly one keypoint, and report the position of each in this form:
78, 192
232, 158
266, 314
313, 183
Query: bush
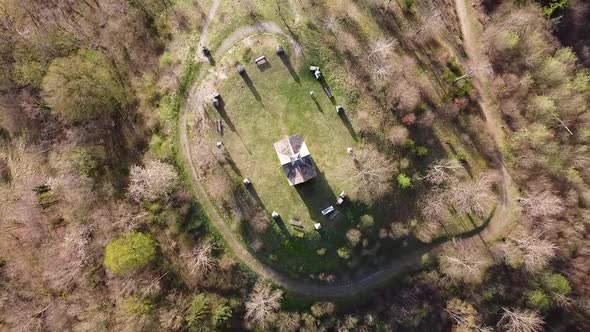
421, 151
537, 299
354, 237
129, 253
197, 313
367, 221
404, 181
221, 315
343, 253
137, 306
557, 283
161, 148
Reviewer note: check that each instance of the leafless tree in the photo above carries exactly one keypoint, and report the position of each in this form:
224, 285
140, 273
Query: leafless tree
435, 204
463, 261
442, 170
332, 23
520, 320
473, 197
542, 203
382, 48
155, 180
536, 252
200, 260
465, 316
262, 304
371, 171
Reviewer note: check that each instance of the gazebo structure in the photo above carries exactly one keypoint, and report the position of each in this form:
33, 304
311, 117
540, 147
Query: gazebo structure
295, 159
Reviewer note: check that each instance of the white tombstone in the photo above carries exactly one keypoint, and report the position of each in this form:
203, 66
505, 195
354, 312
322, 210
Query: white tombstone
317, 226
349, 150
219, 145
275, 214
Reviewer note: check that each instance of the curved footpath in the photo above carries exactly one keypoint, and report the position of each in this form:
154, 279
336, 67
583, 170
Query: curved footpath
408, 263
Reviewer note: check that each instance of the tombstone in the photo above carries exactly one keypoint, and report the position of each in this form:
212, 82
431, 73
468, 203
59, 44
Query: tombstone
339, 109
216, 100
206, 51
247, 182
241, 70
313, 68
311, 94
275, 215
318, 74
317, 226
349, 151
220, 127
219, 145
280, 50
341, 198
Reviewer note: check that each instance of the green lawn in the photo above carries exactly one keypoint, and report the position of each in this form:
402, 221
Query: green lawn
276, 102
284, 107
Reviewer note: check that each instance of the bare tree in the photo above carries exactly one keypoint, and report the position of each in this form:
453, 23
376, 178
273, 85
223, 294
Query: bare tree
262, 304
442, 170
156, 180
542, 204
435, 204
520, 320
200, 260
536, 252
382, 48
473, 197
372, 173
465, 316
463, 261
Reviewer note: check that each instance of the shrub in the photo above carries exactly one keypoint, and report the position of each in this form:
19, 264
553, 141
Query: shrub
221, 315
197, 313
129, 253
343, 253
367, 221
404, 181
537, 299
421, 151
557, 283
136, 305
354, 237
161, 148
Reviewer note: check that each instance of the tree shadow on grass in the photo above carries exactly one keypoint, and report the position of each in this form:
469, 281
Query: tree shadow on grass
252, 88
281, 223
348, 124
223, 114
287, 62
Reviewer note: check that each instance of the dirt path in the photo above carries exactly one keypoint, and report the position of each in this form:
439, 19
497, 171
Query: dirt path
205, 31
504, 218
408, 263
245, 32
